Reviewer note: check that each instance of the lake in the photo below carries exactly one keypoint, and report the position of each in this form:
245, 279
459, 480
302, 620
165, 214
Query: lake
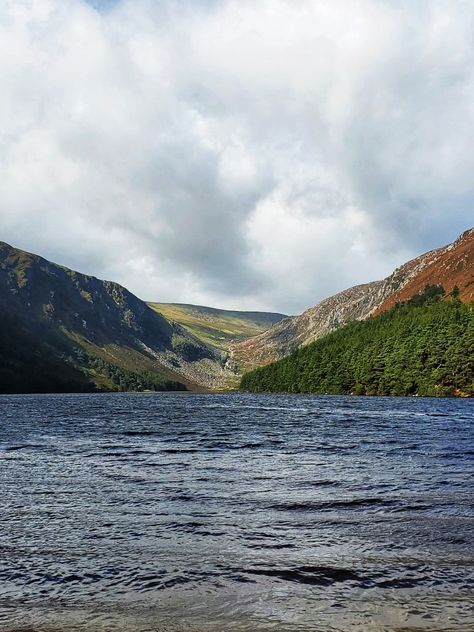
150, 512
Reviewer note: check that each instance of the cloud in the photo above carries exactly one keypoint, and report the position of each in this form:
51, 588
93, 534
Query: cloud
256, 154
102, 5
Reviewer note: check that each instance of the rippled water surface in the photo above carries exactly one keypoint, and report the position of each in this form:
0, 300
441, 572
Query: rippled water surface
236, 512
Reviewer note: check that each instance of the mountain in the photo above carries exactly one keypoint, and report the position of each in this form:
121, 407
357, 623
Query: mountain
450, 266
424, 346
62, 330
297, 331
217, 327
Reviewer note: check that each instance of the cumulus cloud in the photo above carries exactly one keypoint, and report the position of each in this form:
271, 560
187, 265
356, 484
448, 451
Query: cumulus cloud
250, 154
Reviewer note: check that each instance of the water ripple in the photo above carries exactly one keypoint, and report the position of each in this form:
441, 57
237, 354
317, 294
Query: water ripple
180, 512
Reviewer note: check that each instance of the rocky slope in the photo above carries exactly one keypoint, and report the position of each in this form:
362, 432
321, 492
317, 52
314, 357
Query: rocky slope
97, 329
423, 346
297, 331
450, 266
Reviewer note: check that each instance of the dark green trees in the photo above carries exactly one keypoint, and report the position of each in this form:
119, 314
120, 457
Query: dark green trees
422, 347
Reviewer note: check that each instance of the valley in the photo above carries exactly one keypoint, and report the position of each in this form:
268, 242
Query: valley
65, 331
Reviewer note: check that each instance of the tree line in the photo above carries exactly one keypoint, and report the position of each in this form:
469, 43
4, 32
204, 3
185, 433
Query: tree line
424, 346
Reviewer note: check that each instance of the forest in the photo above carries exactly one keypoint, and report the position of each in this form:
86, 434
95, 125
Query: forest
424, 346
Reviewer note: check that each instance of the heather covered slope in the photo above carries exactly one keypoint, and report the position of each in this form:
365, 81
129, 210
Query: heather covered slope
217, 327
450, 266
422, 347
98, 330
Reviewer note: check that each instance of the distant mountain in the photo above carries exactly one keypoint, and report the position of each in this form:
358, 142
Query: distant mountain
450, 266
62, 330
217, 327
424, 346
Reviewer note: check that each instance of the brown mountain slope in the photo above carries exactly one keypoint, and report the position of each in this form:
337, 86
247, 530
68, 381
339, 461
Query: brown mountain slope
449, 266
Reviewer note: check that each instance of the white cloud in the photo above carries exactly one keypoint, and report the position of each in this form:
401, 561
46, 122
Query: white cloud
246, 154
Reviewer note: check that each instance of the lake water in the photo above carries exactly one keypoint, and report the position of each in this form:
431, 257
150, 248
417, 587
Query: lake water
147, 512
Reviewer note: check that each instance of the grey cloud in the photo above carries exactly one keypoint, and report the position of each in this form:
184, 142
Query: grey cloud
247, 154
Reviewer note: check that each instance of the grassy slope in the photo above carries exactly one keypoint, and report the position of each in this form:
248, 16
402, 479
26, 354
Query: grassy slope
49, 360
64, 331
126, 358
423, 349
33, 363
217, 327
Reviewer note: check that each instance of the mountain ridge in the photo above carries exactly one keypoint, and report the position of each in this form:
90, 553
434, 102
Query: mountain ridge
105, 337
215, 326
451, 265
103, 319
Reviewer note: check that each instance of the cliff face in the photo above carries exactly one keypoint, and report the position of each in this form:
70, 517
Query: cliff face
103, 319
448, 266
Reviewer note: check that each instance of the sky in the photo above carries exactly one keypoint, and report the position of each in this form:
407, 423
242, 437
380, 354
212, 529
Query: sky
247, 154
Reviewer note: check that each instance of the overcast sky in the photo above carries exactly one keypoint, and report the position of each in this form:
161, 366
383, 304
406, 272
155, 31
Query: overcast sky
238, 153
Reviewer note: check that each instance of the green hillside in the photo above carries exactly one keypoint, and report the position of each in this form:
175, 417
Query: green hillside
422, 347
61, 330
44, 361
217, 327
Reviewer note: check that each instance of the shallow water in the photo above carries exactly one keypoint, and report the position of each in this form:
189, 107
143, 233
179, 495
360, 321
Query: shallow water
145, 512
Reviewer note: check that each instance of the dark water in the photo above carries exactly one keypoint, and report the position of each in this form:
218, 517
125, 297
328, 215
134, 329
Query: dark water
236, 512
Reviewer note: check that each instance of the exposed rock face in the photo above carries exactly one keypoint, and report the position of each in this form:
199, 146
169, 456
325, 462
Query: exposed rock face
448, 266
293, 332
95, 314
